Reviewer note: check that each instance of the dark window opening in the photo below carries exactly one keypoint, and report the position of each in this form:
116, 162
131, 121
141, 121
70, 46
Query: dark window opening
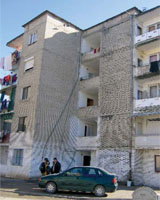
25, 92
139, 30
90, 102
21, 124
86, 160
139, 62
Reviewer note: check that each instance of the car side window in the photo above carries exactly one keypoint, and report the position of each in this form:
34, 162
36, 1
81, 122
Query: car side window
100, 173
90, 173
75, 172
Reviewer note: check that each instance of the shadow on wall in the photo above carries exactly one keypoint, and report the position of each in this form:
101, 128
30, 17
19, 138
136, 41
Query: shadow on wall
58, 93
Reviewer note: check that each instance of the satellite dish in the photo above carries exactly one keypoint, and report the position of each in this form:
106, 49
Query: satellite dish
144, 9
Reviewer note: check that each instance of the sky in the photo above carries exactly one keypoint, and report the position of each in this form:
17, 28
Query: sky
82, 13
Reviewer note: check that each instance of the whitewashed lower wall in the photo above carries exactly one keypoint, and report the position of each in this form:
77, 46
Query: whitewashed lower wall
114, 161
144, 173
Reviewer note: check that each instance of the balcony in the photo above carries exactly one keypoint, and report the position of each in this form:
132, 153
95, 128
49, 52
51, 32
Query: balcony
147, 70
147, 102
89, 82
87, 143
9, 81
91, 55
147, 37
150, 141
88, 112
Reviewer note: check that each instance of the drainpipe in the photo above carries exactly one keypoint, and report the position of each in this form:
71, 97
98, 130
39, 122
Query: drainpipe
131, 97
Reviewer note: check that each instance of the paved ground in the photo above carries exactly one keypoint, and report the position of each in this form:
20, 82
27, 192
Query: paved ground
12, 189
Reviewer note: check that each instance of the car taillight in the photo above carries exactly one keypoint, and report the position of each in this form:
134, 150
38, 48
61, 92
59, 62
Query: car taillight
114, 180
39, 179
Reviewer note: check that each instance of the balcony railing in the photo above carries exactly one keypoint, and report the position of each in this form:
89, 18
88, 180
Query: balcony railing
147, 70
147, 102
91, 83
150, 141
87, 143
87, 77
88, 112
147, 36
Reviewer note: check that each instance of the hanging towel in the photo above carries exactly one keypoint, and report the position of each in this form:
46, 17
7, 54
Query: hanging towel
14, 78
8, 62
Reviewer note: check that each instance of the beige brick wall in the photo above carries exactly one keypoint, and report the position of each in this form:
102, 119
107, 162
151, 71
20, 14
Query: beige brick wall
59, 72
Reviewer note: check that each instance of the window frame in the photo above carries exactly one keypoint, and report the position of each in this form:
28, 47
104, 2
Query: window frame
25, 95
21, 127
139, 62
155, 161
158, 90
32, 38
17, 157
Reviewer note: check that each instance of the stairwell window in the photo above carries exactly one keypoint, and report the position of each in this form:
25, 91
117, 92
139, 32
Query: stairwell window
157, 163
17, 158
32, 38
21, 124
29, 63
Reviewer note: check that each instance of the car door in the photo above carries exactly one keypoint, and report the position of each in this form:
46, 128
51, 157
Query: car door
69, 180
89, 179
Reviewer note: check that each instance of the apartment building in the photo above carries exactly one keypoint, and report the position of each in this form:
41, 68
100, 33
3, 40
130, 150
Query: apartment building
8, 85
89, 97
146, 109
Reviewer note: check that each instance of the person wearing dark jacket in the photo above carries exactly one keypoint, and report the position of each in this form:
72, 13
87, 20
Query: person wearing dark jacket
56, 166
44, 167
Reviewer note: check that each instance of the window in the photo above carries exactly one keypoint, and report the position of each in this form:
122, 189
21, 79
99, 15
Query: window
157, 163
90, 130
75, 172
90, 172
140, 94
151, 28
90, 102
17, 158
21, 124
100, 173
29, 63
158, 26
25, 92
139, 62
139, 30
153, 91
32, 38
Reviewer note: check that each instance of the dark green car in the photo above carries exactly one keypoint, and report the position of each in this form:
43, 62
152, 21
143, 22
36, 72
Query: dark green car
85, 179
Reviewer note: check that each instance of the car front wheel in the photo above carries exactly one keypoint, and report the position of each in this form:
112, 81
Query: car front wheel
99, 191
51, 187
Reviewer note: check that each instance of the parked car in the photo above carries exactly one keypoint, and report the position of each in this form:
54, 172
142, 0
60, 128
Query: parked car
85, 179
